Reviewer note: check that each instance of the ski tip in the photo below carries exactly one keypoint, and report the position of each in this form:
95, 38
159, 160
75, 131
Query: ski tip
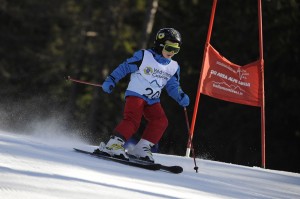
176, 169
77, 149
172, 169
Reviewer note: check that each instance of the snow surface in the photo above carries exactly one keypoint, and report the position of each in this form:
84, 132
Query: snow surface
47, 168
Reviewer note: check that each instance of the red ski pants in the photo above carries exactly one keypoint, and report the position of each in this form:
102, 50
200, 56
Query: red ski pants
135, 108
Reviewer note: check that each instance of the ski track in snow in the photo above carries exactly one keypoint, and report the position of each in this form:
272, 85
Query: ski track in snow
48, 168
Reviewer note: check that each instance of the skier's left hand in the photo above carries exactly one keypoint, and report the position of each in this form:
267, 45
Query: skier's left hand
184, 101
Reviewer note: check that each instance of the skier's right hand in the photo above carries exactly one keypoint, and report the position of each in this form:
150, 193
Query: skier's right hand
108, 85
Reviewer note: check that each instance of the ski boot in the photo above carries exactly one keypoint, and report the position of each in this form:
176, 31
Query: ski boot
142, 151
114, 148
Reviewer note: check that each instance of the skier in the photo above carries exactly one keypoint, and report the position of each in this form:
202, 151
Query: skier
151, 70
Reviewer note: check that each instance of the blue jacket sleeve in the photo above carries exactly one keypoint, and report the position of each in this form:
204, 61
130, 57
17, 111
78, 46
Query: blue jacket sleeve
173, 87
129, 66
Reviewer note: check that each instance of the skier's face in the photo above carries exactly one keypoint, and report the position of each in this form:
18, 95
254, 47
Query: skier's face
170, 49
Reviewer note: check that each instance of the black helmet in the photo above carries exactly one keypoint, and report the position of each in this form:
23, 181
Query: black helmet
165, 34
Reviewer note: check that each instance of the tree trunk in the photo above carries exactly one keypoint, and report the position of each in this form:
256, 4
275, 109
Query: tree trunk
148, 23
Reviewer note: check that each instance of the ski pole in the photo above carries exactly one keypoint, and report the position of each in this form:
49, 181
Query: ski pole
190, 139
83, 82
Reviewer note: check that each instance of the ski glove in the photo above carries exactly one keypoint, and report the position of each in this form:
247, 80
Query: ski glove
184, 101
108, 84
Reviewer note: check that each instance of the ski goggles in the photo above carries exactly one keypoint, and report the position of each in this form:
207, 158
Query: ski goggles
172, 48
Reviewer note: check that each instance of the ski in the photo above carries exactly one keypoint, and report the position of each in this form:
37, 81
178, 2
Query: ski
135, 162
173, 169
153, 167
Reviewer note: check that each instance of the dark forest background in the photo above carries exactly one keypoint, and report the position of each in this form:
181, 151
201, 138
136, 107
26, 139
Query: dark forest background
42, 42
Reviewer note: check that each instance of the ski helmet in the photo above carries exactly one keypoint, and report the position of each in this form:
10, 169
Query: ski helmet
165, 34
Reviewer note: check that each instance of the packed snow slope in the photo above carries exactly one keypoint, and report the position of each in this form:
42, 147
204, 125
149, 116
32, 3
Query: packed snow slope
47, 168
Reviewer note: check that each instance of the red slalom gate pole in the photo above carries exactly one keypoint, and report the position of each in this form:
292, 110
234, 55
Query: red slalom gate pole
83, 82
197, 100
261, 58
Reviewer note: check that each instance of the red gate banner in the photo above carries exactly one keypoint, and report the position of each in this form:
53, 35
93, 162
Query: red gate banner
227, 81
